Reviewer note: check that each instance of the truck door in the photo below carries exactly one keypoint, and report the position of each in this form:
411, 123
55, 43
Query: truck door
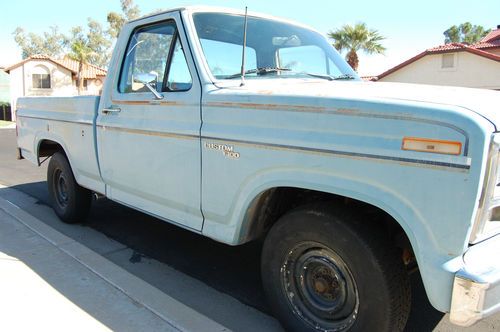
149, 137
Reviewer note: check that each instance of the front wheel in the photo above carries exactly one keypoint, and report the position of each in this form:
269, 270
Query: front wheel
70, 201
325, 271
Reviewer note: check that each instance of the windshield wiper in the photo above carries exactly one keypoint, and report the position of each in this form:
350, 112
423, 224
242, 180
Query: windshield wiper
332, 78
262, 70
344, 77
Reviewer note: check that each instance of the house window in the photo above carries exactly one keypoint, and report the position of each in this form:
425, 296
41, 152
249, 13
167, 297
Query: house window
448, 61
41, 78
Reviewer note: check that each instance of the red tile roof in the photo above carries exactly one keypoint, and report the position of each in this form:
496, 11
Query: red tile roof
459, 46
89, 71
446, 47
493, 35
488, 44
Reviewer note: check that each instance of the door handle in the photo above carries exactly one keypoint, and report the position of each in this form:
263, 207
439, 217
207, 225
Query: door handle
111, 109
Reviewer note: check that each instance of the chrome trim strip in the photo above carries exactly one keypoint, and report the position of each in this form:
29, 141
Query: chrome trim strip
338, 111
149, 132
344, 153
88, 123
271, 145
149, 102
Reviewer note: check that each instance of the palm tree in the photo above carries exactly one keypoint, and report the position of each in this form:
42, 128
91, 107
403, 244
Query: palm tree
81, 52
354, 39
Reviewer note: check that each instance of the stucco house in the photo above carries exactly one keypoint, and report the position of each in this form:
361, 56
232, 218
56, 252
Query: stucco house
475, 66
4, 95
4, 87
41, 75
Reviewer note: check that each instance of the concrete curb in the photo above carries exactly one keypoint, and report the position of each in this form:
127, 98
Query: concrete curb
9, 126
167, 308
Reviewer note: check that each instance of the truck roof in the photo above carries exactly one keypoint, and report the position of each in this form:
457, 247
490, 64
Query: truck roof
216, 9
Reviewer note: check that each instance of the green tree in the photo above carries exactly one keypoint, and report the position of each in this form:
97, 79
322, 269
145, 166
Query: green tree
98, 39
464, 33
51, 43
116, 20
354, 39
55, 44
100, 43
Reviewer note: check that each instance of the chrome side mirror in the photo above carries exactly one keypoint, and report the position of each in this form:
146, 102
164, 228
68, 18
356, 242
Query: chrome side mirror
147, 79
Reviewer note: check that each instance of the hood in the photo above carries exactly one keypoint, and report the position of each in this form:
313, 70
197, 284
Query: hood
486, 103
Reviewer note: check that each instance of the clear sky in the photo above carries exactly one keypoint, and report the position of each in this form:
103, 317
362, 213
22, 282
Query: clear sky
409, 26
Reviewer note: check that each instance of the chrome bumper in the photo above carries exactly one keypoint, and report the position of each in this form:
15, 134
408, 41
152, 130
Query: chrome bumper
476, 288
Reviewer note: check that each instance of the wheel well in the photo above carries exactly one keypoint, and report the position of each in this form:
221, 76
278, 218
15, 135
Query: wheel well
47, 148
270, 205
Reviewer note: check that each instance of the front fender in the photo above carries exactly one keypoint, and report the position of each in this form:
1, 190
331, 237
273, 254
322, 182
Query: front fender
431, 252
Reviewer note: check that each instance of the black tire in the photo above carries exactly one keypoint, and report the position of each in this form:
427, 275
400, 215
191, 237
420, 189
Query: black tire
70, 202
325, 270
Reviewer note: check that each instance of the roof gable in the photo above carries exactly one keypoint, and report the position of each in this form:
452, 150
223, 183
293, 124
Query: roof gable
448, 48
89, 71
494, 35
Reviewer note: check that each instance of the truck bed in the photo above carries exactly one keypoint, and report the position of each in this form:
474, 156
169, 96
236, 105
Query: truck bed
45, 123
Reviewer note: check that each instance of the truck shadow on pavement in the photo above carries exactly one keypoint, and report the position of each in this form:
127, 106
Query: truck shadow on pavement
234, 271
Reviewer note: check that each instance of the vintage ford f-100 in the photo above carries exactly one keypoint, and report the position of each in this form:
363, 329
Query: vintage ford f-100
351, 184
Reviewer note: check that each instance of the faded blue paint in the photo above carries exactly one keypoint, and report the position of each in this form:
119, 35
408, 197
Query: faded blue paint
337, 137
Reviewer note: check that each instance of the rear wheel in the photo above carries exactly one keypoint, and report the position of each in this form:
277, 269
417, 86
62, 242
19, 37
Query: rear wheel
324, 271
70, 201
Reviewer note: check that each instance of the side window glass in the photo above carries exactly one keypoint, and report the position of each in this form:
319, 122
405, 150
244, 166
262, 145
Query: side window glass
179, 77
147, 53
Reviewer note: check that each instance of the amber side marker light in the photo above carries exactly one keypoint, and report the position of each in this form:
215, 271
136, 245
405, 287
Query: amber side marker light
431, 145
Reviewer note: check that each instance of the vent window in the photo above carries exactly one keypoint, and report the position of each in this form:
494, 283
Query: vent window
448, 61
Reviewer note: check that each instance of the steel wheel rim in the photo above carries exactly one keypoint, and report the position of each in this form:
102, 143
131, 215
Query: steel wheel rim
61, 189
319, 287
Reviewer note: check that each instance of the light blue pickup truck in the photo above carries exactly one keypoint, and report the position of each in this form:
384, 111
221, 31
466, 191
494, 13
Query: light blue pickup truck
352, 185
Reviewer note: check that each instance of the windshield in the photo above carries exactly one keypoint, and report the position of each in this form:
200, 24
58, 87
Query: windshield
273, 49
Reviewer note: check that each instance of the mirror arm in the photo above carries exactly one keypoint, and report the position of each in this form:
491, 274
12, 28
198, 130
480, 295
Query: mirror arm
158, 96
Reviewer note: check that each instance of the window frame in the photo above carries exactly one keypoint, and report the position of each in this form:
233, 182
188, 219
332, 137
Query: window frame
175, 36
40, 80
453, 55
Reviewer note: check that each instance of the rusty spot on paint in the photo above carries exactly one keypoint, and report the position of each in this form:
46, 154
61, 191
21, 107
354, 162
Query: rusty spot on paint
348, 111
130, 102
256, 106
